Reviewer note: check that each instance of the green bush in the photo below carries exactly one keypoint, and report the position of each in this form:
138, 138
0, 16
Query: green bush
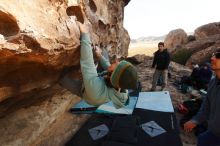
181, 56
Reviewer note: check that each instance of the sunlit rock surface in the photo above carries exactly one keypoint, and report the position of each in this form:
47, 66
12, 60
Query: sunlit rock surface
175, 39
207, 30
204, 41
38, 40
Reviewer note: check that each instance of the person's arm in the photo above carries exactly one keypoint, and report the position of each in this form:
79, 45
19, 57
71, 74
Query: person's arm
200, 117
154, 61
103, 61
203, 112
167, 60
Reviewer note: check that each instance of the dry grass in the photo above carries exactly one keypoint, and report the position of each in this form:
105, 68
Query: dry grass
142, 48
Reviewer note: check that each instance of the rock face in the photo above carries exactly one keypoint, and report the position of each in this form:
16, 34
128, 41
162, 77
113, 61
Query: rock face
202, 56
175, 39
207, 30
201, 45
30, 125
198, 45
40, 38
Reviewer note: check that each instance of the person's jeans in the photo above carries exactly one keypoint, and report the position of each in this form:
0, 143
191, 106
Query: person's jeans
156, 76
208, 139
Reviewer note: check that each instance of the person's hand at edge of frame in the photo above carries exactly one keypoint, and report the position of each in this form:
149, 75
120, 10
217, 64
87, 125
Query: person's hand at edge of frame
188, 126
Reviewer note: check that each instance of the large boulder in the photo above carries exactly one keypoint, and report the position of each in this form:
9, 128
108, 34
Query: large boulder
201, 44
175, 39
201, 49
202, 56
38, 39
207, 30
204, 37
44, 123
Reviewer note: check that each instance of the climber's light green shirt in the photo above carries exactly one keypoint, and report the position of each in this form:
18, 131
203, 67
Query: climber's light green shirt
96, 90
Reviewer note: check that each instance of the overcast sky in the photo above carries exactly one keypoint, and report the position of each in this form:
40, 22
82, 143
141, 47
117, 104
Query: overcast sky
158, 17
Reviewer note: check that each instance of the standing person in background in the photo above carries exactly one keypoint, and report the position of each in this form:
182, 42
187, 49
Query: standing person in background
161, 61
210, 109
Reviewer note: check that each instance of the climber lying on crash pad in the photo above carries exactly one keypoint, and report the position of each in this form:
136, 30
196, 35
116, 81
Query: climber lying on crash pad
98, 90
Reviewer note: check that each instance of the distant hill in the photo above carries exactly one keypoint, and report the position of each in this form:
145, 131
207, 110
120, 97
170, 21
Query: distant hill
153, 38
148, 39
144, 45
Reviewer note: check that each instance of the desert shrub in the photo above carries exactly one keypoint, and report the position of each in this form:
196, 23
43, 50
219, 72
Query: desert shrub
181, 56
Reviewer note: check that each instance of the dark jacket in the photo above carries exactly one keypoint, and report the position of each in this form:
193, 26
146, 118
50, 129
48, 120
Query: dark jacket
195, 74
205, 75
210, 109
161, 60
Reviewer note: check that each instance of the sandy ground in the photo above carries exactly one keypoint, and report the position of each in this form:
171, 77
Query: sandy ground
142, 48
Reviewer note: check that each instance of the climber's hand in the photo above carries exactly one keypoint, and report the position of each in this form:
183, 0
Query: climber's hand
98, 52
82, 28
